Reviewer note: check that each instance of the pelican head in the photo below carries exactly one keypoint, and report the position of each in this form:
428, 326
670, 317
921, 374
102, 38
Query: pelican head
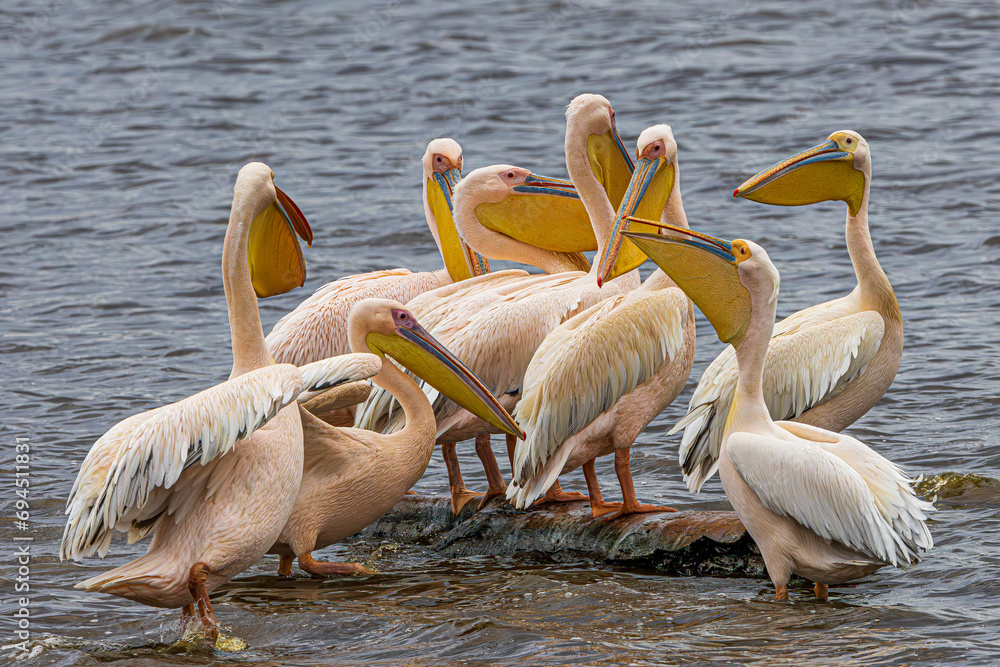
544, 212
723, 278
273, 252
442, 163
591, 119
837, 170
647, 193
388, 329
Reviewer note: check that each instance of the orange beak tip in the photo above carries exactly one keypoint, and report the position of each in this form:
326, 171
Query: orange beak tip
600, 281
736, 193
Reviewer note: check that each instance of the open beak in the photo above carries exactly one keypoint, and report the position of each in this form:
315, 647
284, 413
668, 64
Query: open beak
460, 259
645, 198
420, 353
275, 258
295, 217
611, 164
544, 212
822, 173
706, 269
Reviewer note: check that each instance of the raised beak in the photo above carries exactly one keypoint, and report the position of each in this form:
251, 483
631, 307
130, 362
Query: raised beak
295, 216
645, 197
273, 253
822, 173
610, 163
420, 353
706, 269
544, 212
461, 261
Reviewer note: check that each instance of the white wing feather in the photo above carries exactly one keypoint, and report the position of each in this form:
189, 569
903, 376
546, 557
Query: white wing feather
842, 491
124, 476
588, 363
809, 361
496, 340
317, 328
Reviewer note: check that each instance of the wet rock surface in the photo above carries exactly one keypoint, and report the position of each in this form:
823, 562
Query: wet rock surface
681, 543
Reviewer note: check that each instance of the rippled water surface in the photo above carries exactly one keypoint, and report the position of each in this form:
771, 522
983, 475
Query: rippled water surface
121, 131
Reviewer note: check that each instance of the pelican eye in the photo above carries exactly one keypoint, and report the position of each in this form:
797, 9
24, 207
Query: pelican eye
849, 140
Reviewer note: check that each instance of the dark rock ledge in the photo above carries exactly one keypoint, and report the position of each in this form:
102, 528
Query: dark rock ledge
683, 543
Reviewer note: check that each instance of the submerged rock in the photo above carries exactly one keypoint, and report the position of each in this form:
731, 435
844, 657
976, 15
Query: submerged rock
953, 484
684, 543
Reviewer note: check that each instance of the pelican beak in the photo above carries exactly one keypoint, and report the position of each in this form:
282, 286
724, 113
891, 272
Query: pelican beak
419, 352
459, 258
544, 212
275, 258
822, 173
706, 268
610, 163
645, 198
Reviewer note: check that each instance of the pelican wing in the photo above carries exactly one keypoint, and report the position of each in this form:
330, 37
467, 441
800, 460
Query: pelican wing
588, 363
813, 356
317, 328
127, 480
837, 487
496, 340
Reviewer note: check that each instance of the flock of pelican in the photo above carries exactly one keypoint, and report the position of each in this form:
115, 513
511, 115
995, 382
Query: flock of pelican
296, 451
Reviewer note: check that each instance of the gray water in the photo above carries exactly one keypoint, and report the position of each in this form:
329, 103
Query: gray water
122, 128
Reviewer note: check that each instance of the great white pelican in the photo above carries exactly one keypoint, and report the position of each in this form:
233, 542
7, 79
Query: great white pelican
351, 477
600, 377
214, 476
317, 328
826, 365
496, 323
817, 503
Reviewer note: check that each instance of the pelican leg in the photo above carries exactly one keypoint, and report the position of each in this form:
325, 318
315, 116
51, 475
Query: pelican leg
555, 494
411, 492
511, 446
497, 487
320, 569
781, 593
597, 505
631, 504
459, 494
196, 585
285, 565
822, 591
187, 613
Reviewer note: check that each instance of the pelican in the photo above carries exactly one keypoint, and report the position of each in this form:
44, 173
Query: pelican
817, 503
214, 476
317, 328
600, 377
497, 330
826, 365
351, 477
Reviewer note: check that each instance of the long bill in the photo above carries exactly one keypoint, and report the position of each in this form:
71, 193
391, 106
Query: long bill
611, 164
419, 352
273, 253
822, 173
706, 268
461, 261
544, 212
645, 198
